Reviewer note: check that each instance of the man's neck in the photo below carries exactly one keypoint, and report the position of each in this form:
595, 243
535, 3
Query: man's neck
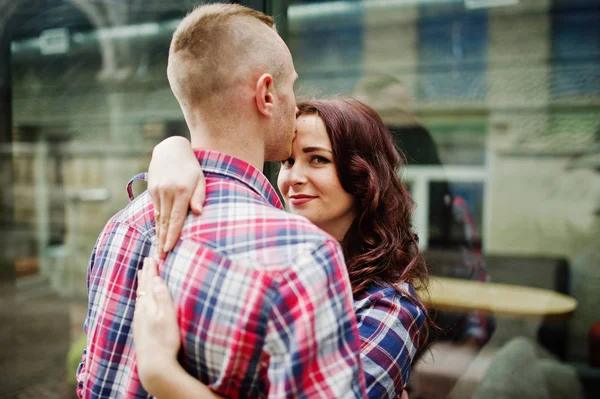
233, 134
251, 151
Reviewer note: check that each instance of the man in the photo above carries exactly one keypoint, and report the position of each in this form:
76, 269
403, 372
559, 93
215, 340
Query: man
263, 296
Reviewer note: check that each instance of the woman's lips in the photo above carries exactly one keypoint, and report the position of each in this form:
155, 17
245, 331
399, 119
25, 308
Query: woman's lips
301, 199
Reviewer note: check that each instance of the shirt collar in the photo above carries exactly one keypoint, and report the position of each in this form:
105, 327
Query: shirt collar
223, 164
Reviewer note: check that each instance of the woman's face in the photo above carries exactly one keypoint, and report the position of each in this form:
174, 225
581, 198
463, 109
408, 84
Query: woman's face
309, 182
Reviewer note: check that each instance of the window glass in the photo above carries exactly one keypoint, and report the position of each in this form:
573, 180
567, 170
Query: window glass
83, 100
494, 103
496, 106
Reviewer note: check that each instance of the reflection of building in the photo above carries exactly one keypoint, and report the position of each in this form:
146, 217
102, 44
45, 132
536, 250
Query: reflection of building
84, 109
509, 94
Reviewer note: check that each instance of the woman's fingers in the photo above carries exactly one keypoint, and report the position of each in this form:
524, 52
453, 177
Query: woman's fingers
145, 295
199, 194
164, 303
166, 203
184, 199
148, 272
152, 269
140, 293
174, 174
178, 215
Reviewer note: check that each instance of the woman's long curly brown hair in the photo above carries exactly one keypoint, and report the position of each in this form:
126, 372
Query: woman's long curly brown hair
380, 246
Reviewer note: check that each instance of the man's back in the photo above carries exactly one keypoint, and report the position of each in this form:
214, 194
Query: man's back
263, 298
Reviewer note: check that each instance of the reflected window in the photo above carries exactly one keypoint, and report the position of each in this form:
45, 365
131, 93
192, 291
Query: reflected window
326, 41
575, 48
452, 53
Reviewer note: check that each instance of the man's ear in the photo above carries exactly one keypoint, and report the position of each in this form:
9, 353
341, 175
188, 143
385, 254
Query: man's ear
264, 95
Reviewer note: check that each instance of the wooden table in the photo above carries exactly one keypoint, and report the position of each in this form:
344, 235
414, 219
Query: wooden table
501, 299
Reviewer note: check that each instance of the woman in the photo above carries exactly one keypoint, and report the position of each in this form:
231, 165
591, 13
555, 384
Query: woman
342, 176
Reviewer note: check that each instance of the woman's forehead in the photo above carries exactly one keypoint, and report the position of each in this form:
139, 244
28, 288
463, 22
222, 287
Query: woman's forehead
310, 131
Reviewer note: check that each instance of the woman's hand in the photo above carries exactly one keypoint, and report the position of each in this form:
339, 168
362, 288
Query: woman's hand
176, 184
155, 329
156, 339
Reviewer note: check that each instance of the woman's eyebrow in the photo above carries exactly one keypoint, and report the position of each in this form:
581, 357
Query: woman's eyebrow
313, 149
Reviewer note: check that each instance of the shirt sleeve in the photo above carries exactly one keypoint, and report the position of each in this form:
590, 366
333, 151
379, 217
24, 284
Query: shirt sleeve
81, 369
389, 325
312, 341
116, 241
81, 372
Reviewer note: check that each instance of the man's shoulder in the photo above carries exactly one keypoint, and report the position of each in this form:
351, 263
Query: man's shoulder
249, 229
292, 221
138, 214
235, 202
283, 224
298, 231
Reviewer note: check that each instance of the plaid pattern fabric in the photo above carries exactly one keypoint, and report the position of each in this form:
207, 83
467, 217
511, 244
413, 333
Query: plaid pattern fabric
263, 297
389, 324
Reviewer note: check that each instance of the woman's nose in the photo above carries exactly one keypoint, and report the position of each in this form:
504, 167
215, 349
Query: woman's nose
296, 175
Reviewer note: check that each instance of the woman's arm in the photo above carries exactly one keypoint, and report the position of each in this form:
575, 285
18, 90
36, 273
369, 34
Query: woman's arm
176, 184
156, 339
176, 383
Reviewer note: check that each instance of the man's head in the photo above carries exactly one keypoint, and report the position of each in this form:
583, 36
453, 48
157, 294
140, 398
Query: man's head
228, 67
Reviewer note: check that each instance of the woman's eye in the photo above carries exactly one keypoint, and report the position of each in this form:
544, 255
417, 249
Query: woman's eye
287, 162
319, 160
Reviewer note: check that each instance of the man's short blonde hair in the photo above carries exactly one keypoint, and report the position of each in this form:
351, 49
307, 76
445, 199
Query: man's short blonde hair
213, 48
